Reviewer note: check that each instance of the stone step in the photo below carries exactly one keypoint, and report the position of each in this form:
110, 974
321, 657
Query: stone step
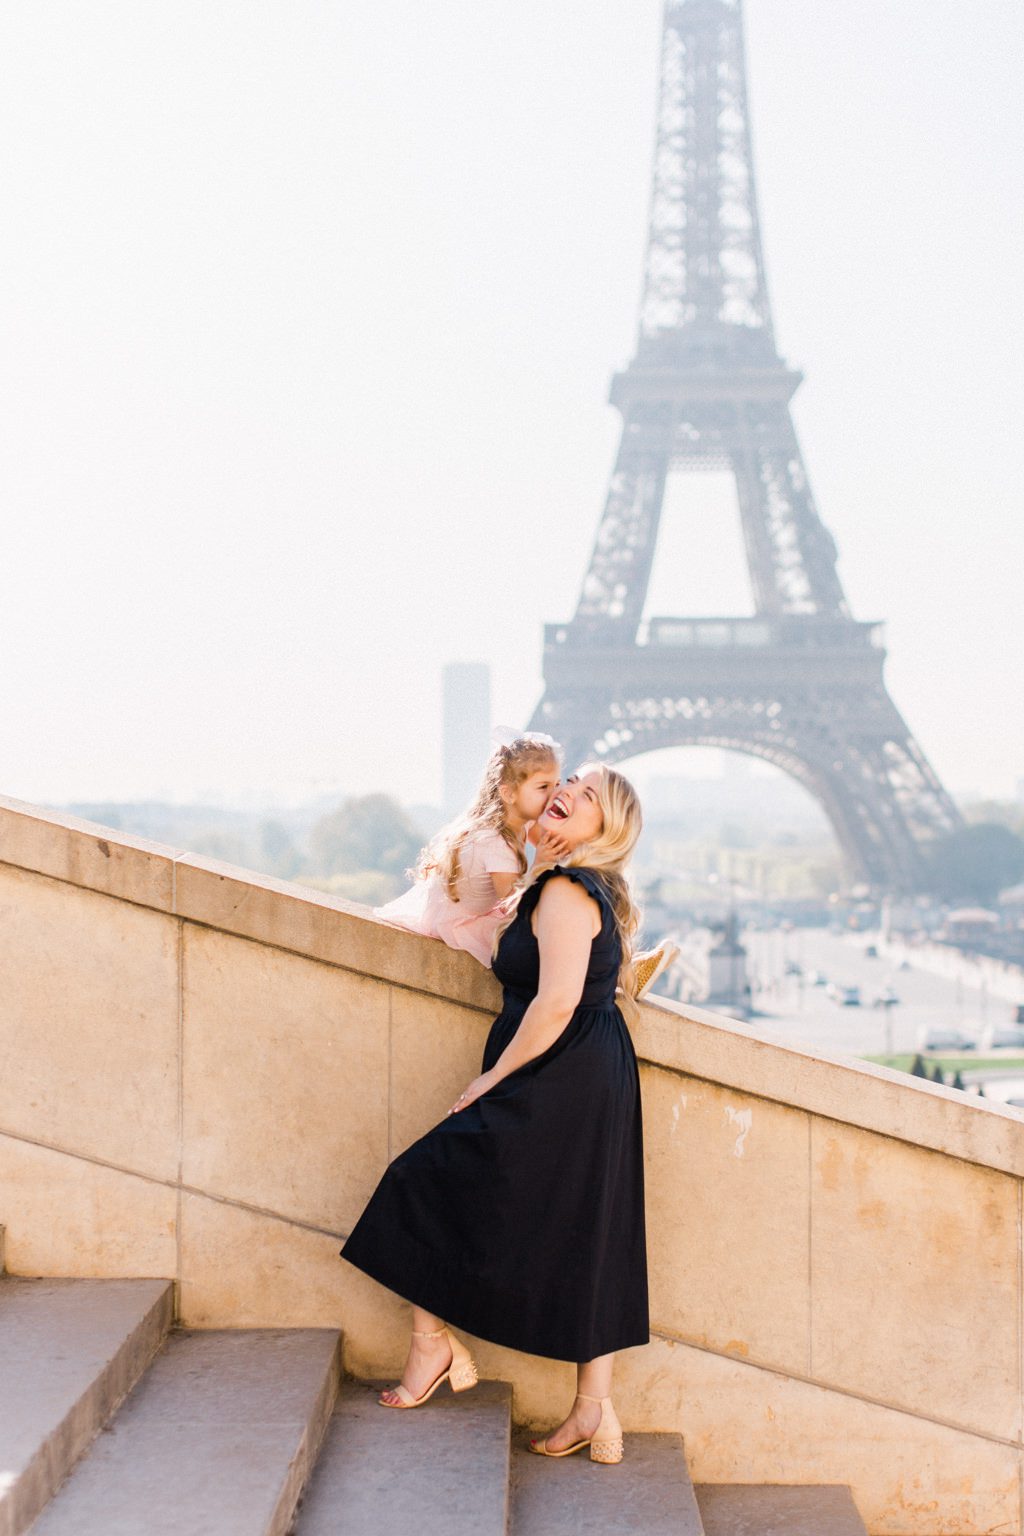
649, 1491
778, 1509
439, 1470
69, 1352
218, 1439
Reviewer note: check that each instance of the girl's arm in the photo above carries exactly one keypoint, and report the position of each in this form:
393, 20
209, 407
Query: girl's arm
504, 883
550, 849
567, 921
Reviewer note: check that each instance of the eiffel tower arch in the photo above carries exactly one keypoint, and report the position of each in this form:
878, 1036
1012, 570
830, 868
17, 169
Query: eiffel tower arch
800, 683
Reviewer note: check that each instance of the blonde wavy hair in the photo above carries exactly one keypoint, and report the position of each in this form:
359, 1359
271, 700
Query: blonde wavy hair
607, 855
507, 768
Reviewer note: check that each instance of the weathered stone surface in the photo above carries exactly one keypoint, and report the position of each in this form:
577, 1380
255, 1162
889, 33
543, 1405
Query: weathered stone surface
727, 1207
435, 1051
779, 1510
439, 1470
89, 1036
243, 1269
285, 1079
753, 1288
649, 1491
910, 1476
217, 1440
246, 1268
68, 1216
83, 853
914, 1290
326, 928
841, 1088
69, 1351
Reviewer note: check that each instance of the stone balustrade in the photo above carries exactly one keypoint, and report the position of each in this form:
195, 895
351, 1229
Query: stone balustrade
203, 1072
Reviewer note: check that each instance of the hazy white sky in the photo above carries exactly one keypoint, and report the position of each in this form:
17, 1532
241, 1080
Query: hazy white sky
308, 314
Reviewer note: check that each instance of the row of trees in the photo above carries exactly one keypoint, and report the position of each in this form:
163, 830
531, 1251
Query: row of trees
975, 863
372, 834
363, 848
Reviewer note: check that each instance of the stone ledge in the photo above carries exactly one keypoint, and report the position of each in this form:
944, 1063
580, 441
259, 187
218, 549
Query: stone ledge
240, 901
279, 913
85, 853
326, 928
854, 1092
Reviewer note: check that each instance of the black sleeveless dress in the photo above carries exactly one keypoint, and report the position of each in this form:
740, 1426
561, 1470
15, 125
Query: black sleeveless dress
521, 1218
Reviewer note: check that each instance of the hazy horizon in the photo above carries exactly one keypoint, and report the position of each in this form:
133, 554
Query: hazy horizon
309, 317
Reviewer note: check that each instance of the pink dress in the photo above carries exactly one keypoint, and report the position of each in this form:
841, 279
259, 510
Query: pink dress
472, 921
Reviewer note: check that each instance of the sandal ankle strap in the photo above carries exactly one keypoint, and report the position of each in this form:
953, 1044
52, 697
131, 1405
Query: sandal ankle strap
421, 1333
588, 1399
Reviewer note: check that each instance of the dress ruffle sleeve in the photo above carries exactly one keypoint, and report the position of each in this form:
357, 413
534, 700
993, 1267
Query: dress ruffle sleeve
590, 881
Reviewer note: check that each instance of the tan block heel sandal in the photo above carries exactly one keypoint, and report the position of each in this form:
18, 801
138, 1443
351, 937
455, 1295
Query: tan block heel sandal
460, 1374
605, 1443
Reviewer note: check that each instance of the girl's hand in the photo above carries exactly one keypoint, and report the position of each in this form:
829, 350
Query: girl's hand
478, 1086
551, 848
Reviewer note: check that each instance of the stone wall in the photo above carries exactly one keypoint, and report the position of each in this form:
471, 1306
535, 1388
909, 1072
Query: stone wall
204, 1071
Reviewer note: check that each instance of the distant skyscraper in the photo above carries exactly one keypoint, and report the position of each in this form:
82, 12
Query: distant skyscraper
466, 689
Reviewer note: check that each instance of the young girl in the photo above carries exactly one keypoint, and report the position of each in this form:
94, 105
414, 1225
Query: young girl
474, 863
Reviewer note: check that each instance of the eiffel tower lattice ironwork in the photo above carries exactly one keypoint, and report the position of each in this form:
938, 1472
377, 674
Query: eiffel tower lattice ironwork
799, 683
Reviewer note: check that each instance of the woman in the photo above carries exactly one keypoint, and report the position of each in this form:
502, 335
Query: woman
520, 1217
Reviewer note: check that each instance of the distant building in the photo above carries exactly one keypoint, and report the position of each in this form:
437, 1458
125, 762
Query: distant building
969, 926
466, 728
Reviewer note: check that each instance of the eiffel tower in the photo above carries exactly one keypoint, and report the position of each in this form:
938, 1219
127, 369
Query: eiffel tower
799, 684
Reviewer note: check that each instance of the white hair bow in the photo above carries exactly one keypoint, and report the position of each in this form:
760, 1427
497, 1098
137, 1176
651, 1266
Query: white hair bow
504, 736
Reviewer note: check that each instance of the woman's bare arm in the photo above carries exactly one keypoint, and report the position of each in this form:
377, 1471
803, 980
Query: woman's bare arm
567, 920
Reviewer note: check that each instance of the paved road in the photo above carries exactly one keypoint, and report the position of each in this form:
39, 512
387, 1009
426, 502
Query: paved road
791, 1010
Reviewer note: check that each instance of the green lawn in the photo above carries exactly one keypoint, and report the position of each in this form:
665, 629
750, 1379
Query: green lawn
962, 1060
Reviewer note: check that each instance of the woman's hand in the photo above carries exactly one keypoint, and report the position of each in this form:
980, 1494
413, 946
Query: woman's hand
568, 921
478, 1086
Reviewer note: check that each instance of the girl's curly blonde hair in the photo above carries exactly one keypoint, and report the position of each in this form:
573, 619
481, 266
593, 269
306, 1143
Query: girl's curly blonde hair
507, 767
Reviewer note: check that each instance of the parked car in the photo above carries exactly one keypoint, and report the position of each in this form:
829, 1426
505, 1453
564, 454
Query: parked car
886, 998
816, 978
792, 968
1003, 1039
947, 1040
849, 997
871, 951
